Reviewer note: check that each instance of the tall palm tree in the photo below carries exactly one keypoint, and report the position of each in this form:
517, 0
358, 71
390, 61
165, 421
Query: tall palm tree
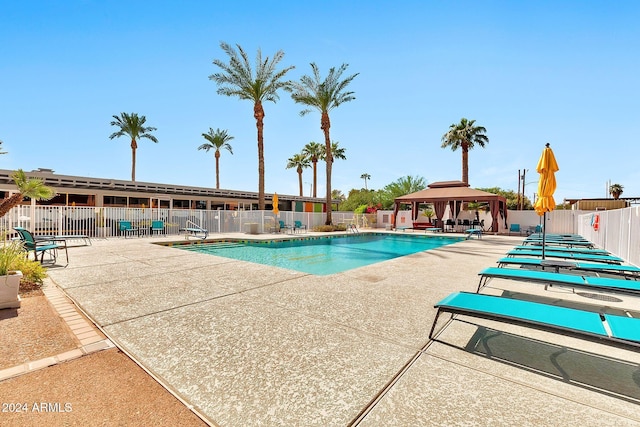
133, 126
216, 140
616, 190
465, 135
238, 78
299, 161
314, 151
365, 176
32, 188
324, 96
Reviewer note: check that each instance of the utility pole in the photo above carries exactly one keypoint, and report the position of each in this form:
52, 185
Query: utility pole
524, 172
518, 199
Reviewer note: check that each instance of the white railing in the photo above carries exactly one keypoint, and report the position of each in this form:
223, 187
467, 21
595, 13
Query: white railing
103, 222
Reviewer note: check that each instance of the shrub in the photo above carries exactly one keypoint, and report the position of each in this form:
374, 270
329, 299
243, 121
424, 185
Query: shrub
330, 228
33, 273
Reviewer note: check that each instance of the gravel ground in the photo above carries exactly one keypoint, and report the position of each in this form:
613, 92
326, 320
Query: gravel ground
104, 388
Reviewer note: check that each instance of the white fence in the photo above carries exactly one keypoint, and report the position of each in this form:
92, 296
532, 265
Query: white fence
103, 222
618, 231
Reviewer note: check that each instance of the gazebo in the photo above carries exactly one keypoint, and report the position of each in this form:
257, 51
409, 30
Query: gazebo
453, 193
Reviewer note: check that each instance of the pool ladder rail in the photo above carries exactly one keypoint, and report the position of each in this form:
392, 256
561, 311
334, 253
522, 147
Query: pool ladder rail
353, 229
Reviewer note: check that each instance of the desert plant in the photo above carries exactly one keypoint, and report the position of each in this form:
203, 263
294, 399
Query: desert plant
32, 271
11, 253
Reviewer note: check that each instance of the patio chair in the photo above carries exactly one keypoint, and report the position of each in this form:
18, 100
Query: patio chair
41, 246
585, 324
450, 225
158, 227
514, 228
125, 227
284, 226
298, 225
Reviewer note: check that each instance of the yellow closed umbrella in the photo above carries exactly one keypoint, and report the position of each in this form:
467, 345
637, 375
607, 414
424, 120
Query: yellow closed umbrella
274, 202
547, 168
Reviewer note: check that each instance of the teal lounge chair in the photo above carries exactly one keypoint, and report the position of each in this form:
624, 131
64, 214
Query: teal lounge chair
568, 280
627, 271
566, 255
549, 248
559, 243
42, 246
587, 324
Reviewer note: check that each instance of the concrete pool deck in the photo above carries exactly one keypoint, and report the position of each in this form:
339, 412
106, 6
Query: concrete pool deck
247, 344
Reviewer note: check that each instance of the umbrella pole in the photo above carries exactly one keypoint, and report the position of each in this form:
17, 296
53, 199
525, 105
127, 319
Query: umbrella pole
544, 232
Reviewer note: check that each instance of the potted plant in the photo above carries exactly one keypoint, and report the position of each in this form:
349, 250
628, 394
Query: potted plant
10, 253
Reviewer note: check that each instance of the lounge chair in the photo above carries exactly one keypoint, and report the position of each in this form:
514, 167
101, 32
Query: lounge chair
43, 246
298, 225
587, 324
125, 227
194, 230
628, 271
550, 248
568, 280
158, 227
566, 255
559, 242
473, 232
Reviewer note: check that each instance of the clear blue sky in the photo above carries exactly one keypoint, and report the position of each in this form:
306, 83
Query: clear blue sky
531, 72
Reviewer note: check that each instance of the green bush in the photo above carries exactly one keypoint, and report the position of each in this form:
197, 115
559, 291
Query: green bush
32, 271
330, 228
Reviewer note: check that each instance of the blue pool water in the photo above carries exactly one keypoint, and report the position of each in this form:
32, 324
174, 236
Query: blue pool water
322, 255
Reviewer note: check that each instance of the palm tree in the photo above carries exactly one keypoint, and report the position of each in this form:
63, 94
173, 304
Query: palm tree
616, 190
314, 151
2, 152
216, 140
464, 135
133, 126
365, 176
237, 78
298, 161
32, 188
324, 96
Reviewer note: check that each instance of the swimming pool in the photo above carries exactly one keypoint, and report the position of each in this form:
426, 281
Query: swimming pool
321, 255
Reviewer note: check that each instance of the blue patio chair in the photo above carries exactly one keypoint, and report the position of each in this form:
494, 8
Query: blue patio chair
41, 246
298, 225
514, 228
158, 227
284, 226
125, 227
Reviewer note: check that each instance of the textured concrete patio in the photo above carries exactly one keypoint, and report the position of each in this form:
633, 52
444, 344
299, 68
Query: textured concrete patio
247, 344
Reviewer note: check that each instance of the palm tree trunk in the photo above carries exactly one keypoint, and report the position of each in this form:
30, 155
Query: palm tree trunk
258, 113
325, 125
217, 169
300, 180
7, 204
465, 163
134, 146
315, 176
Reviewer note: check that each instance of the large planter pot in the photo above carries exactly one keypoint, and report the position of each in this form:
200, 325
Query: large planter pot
9, 286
